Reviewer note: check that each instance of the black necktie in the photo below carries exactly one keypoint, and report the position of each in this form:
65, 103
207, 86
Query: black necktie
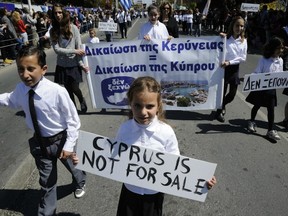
35, 122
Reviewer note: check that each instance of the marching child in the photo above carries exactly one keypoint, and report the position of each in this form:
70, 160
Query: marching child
51, 114
146, 127
271, 62
92, 36
236, 47
153, 28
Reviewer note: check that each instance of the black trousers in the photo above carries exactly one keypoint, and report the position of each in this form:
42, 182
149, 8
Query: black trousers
9, 51
123, 29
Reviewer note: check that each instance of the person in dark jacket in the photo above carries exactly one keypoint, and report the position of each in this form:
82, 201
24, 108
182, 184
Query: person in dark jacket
166, 17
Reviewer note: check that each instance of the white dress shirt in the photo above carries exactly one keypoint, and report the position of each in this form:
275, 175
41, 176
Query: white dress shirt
157, 31
270, 65
93, 40
189, 18
121, 17
236, 50
157, 135
54, 109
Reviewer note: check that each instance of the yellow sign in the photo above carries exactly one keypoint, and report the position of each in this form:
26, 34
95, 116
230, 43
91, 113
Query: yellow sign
275, 5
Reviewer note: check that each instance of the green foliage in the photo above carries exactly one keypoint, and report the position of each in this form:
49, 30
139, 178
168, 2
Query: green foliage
192, 5
137, 6
183, 102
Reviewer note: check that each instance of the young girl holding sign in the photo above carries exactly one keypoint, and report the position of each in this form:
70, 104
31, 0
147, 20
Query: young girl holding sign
146, 127
236, 47
270, 62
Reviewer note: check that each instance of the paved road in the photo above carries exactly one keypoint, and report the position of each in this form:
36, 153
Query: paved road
252, 171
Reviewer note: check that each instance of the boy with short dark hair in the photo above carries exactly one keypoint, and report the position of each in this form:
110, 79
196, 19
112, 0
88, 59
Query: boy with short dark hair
52, 115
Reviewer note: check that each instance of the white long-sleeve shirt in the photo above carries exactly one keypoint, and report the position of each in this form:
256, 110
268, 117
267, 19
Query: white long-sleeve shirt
54, 109
157, 31
270, 65
93, 40
157, 135
189, 18
236, 50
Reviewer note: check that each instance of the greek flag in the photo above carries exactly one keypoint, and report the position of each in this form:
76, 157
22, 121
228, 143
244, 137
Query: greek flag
126, 4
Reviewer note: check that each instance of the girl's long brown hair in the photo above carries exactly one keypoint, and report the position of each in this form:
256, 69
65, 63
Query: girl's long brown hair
142, 83
62, 27
162, 8
230, 29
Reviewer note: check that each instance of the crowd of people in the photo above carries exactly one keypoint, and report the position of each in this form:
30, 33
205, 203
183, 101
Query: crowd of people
56, 133
22, 26
259, 25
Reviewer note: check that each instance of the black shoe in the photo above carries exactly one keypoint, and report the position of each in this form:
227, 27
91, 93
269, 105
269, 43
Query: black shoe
83, 106
219, 116
223, 111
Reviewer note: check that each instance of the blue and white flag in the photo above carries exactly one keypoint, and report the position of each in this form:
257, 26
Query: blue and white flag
126, 4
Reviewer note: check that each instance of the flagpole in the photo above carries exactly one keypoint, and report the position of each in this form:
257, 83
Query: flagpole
206, 9
29, 6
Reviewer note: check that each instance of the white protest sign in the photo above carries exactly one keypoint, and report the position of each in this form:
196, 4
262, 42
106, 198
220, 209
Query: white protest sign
188, 70
107, 26
250, 7
265, 81
143, 167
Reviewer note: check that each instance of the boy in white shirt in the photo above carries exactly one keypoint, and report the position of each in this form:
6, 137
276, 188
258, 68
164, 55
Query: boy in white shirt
53, 118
